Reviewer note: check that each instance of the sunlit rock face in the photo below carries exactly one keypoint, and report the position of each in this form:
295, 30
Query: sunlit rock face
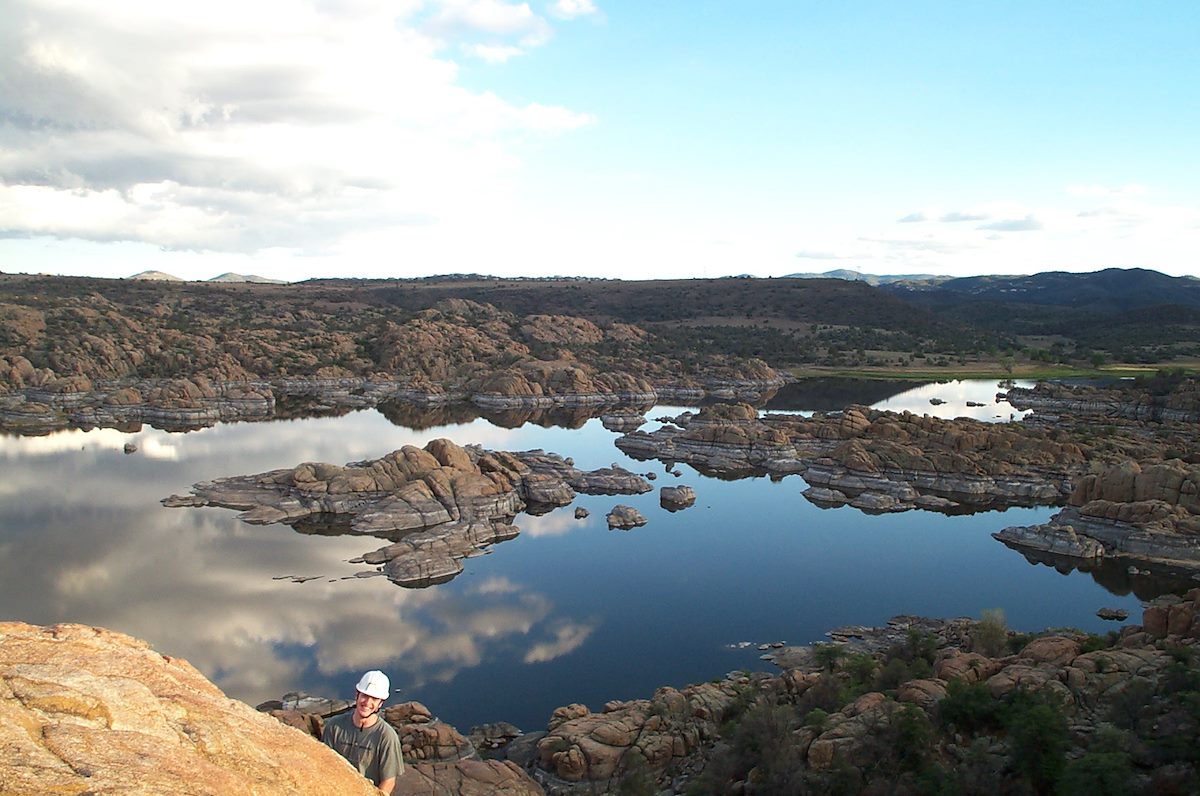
438, 504
87, 710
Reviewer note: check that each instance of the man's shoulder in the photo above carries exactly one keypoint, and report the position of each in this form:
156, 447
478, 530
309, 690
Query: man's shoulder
388, 730
341, 721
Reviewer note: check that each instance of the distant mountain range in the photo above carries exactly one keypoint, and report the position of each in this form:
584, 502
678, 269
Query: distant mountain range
162, 276
870, 279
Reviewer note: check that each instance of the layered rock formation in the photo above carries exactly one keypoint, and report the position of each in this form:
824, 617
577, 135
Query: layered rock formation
1147, 511
440, 504
873, 459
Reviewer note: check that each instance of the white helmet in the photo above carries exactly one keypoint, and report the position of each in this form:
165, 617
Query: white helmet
374, 684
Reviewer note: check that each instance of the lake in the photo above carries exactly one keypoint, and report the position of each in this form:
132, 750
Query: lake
569, 611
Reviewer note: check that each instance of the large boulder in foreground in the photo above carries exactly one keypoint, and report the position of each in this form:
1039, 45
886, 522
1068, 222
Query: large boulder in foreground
87, 710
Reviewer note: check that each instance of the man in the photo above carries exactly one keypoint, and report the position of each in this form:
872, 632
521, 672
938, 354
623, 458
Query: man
368, 742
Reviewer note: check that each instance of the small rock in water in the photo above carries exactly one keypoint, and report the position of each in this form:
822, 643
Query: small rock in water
1118, 614
625, 517
130, 447
581, 512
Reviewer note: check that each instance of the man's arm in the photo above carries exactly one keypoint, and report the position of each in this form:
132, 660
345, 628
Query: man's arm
387, 785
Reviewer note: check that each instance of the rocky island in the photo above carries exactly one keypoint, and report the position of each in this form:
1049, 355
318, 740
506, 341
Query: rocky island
441, 503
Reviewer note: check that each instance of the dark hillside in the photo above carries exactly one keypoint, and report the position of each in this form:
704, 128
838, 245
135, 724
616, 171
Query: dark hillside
826, 301
1135, 314
1102, 292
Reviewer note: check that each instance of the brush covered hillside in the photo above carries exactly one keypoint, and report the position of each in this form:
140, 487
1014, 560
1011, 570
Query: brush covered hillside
462, 329
1134, 315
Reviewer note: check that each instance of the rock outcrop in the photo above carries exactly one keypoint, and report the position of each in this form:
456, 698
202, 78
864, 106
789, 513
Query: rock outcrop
624, 518
440, 504
676, 498
1148, 511
1177, 402
875, 460
87, 710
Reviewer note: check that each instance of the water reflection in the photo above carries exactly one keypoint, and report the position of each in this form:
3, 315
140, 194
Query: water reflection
835, 393
1119, 576
972, 398
566, 612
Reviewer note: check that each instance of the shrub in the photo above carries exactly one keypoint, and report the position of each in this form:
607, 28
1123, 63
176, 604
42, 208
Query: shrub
894, 672
828, 655
1037, 740
989, 636
921, 644
970, 707
914, 738
861, 668
816, 719
1104, 771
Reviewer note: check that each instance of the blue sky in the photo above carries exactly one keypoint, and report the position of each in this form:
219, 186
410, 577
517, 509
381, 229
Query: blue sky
597, 138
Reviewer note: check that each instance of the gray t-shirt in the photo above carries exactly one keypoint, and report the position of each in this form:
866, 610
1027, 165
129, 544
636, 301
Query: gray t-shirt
374, 751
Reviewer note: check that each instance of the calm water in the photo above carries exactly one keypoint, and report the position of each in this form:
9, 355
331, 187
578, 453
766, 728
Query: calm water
567, 612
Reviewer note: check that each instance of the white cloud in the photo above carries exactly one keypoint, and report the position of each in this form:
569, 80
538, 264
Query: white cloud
458, 18
570, 9
493, 53
956, 216
245, 127
1027, 224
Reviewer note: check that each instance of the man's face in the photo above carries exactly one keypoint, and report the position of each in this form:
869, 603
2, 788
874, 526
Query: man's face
366, 705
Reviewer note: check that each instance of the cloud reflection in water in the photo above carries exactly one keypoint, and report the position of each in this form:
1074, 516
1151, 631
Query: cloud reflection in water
86, 540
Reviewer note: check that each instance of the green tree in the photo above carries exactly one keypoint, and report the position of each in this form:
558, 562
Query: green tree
1037, 740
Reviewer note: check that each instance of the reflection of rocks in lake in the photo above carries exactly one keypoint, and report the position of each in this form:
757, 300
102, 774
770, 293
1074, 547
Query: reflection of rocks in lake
419, 417
439, 504
544, 416
179, 404
1114, 574
623, 421
295, 407
873, 459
